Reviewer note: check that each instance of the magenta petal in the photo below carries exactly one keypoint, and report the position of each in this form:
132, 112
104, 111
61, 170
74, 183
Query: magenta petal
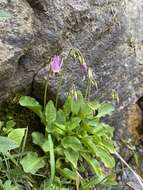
83, 67
56, 64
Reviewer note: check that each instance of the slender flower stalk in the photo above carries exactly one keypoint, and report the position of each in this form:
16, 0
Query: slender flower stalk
87, 89
64, 63
56, 66
139, 179
46, 89
59, 87
91, 82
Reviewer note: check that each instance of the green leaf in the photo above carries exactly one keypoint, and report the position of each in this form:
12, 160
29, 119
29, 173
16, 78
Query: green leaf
72, 156
31, 163
60, 117
7, 144
101, 129
109, 145
92, 182
94, 164
50, 112
32, 104
67, 106
9, 127
67, 173
17, 135
75, 121
88, 141
59, 150
57, 129
10, 124
86, 112
72, 142
52, 158
4, 15
8, 186
105, 156
60, 126
110, 181
76, 104
16, 172
94, 105
105, 109
40, 140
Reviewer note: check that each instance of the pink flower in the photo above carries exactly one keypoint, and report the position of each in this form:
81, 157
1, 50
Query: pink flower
56, 64
83, 67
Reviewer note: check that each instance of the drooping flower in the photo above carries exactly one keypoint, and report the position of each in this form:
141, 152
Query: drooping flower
83, 67
92, 77
73, 93
56, 64
76, 53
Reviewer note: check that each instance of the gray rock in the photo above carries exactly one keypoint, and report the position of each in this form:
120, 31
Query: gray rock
108, 32
16, 36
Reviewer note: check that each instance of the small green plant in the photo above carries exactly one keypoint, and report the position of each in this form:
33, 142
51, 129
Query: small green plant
12, 142
77, 145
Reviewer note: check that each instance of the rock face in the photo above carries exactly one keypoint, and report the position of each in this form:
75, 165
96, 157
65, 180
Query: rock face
16, 36
108, 32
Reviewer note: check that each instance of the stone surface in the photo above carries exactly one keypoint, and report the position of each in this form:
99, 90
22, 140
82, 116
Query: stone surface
108, 32
17, 37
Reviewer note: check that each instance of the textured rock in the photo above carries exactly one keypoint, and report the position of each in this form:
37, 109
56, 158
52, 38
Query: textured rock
16, 39
108, 32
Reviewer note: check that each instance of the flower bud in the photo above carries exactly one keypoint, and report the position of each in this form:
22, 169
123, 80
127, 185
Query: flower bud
56, 64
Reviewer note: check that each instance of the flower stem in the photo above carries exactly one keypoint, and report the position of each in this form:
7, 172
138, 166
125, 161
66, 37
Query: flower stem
129, 167
59, 87
46, 89
87, 89
61, 77
51, 144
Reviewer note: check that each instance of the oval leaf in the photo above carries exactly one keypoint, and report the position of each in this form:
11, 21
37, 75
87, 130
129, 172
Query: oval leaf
17, 135
40, 140
32, 104
50, 112
72, 142
105, 156
7, 144
31, 163
67, 173
72, 157
105, 109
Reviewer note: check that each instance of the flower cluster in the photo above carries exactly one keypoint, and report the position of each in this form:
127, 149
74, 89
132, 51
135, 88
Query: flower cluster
56, 62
